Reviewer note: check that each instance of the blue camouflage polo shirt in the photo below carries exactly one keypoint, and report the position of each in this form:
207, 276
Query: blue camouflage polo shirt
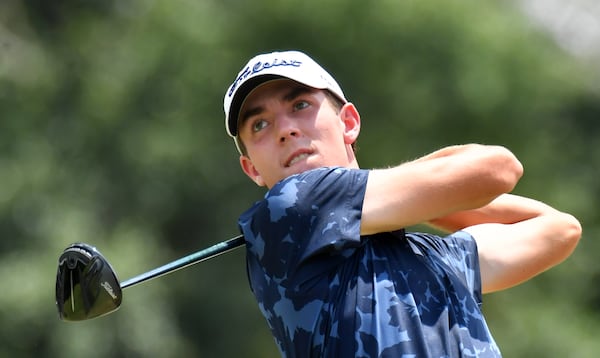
326, 291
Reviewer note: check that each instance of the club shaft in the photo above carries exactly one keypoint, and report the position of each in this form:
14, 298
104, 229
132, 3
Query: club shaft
186, 261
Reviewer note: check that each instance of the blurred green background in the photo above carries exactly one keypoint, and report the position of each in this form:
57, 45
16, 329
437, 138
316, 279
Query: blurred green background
111, 133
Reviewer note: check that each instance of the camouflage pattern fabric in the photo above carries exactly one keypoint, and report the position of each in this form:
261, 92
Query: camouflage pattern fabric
325, 291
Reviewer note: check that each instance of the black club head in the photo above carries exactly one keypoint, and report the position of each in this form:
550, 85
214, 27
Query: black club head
86, 284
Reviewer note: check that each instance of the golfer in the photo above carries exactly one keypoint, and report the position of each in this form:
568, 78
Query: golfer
332, 268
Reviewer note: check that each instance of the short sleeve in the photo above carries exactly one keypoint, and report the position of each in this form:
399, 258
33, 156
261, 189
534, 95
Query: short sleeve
305, 215
455, 253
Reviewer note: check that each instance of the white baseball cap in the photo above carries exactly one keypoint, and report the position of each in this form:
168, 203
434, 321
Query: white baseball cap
294, 65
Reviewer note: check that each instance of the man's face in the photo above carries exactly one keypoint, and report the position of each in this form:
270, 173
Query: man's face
288, 128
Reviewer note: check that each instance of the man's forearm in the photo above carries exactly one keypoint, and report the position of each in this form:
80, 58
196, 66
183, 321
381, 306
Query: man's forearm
505, 209
449, 180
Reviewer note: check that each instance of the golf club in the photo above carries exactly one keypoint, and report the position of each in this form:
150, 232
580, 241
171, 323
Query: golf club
88, 287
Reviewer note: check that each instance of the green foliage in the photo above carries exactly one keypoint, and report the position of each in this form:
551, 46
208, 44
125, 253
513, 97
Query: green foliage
112, 134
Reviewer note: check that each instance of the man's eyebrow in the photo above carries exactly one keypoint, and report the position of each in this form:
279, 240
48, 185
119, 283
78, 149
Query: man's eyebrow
289, 96
249, 113
297, 91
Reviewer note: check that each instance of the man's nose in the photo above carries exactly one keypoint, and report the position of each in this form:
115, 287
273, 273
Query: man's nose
287, 128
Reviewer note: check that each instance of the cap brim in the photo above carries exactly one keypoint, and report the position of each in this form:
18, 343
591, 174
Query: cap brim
239, 97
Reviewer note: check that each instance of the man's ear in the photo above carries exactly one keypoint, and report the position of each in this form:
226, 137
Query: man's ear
351, 119
250, 170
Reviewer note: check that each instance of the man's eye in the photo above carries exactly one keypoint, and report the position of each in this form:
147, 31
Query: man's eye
300, 105
259, 125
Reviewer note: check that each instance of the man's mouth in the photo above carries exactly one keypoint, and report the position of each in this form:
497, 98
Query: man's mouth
297, 158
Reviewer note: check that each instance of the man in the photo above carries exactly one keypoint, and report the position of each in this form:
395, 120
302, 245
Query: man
329, 262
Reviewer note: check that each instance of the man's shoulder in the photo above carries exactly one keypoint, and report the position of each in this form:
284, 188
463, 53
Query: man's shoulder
460, 238
311, 184
325, 196
317, 175
456, 249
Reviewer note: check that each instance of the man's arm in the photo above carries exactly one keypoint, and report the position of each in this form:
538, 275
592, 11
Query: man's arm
517, 238
452, 179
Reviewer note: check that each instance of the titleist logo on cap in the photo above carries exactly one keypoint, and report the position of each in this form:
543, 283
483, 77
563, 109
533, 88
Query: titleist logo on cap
258, 67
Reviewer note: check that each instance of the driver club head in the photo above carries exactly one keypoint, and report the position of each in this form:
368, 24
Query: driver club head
86, 284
